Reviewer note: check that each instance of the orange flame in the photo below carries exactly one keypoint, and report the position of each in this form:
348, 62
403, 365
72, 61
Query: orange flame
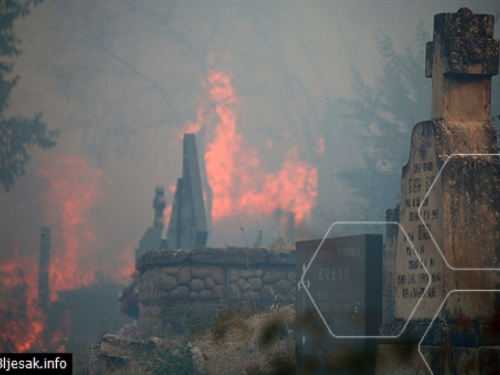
21, 321
74, 188
239, 184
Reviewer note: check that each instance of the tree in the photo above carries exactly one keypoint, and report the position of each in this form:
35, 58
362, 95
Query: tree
17, 133
386, 113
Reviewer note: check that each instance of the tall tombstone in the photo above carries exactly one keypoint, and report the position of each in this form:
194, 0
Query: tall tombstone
152, 237
458, 225
188, 226
345, 282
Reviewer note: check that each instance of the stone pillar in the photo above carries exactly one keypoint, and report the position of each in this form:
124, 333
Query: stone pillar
188, 226
159, 205
43, 271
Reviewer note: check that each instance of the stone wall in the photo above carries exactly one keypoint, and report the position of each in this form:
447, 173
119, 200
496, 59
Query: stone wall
175, 284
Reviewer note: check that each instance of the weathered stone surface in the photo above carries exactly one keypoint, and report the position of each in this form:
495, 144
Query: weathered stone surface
233, 276
187, 227
211, 256
197, 279
113, 346
119, 356
193, 295
196, 285
272, 277
181, 292
205, 294
150, 321
208, 283
207, 256
450, 208
246, 274
199, 272
217, 275
170, 271
242, 284
251, 296
255, 283
283, 287
157, 258
247, 257
267, 294
464, 188
218, 292
281, 257
162, 295
148, 287
184, 276
461, 60
167, 283
233, 292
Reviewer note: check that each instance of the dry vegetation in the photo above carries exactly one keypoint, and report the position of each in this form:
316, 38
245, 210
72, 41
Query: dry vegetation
240, 343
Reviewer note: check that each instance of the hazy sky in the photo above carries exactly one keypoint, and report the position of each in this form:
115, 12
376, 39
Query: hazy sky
123, 80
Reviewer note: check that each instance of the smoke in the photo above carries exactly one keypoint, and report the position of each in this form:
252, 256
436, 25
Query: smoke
123, 81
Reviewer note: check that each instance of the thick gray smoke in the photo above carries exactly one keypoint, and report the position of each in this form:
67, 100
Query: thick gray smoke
122, 81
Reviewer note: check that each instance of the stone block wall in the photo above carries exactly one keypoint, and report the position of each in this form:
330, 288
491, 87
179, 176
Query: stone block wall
175, 284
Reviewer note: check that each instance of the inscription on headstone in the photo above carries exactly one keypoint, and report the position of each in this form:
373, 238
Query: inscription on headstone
459, 222
410, 277
345, 282
461, 60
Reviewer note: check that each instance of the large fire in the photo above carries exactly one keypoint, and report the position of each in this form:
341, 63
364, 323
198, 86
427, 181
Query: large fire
21, 320
74, 188
240, 185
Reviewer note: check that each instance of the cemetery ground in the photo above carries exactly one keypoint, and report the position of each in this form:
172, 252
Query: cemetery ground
240, 340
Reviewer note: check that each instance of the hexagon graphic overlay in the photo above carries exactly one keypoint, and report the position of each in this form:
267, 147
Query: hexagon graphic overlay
463, 171
325, 274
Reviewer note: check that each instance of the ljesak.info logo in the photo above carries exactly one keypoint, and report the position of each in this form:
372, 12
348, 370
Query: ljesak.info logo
42, 363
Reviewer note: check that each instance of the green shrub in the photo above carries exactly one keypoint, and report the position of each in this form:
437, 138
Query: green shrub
172, 361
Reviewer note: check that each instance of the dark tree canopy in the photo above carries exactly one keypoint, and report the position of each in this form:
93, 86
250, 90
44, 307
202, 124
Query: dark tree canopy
17, 133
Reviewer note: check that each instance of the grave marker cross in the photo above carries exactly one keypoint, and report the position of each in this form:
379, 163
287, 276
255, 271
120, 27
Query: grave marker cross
461, 60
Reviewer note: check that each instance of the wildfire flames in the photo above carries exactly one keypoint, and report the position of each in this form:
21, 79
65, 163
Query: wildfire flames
73, 189
22, 322
240, 186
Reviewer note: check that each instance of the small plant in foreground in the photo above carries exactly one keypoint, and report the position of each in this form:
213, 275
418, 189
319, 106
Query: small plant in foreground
172, 361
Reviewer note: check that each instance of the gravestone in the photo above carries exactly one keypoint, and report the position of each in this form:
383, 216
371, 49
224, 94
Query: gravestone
188, 226
344, 282
151, 239
450, 208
